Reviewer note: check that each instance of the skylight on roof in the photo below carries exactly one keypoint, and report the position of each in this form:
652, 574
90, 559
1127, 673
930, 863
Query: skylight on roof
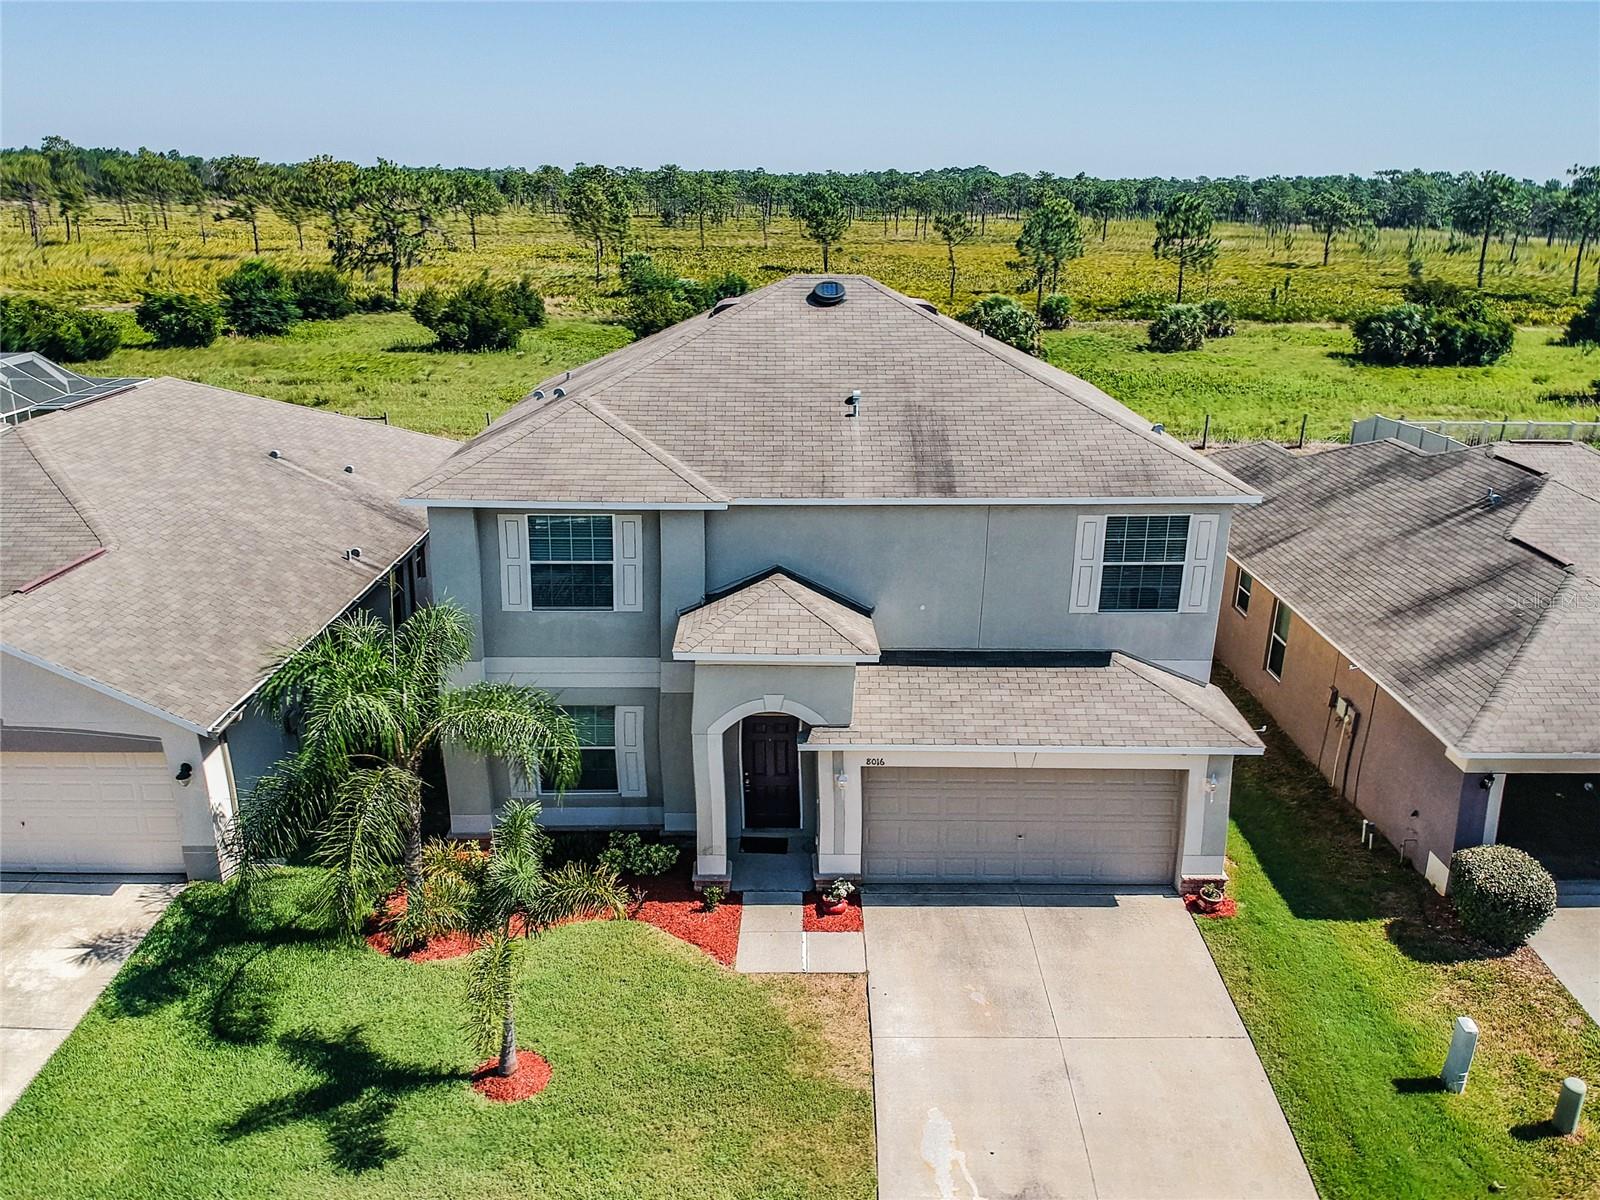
828, 292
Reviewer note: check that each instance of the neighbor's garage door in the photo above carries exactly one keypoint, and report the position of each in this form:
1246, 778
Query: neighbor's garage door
929, 824
87, 812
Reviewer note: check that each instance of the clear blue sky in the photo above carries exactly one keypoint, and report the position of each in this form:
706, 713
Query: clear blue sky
1111, 89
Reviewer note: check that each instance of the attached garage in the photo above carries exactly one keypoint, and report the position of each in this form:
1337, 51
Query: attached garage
1034, 825
111, 812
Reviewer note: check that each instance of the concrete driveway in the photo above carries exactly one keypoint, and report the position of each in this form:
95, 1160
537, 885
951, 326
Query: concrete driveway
1062, 1045
1569, 943
62, 938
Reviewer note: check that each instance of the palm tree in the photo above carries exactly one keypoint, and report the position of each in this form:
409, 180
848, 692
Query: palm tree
498, 898
369, 702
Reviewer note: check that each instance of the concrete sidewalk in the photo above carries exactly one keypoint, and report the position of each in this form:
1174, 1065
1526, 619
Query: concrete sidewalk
772, 939
62, 938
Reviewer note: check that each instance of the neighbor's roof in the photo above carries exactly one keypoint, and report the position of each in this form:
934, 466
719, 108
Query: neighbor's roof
1480, 616
1110, 702
215, 555
775, 616
749, 404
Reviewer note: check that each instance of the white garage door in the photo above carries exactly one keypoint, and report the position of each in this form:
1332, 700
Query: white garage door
87, 812
930, 824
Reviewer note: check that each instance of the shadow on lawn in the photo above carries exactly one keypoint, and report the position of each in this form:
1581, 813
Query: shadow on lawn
355, 1097
1304, 835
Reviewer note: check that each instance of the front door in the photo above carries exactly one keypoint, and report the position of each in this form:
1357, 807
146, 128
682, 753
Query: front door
771, 772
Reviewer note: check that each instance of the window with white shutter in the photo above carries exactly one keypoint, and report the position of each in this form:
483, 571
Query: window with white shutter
628, 564
514, 562
630, 750
1201, 552
1085, 581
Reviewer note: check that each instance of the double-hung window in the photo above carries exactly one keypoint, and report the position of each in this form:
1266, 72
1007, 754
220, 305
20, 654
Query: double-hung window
1241, 591
585, 561
1143, 563
597, 734
611, 752
1278, 639
570, 561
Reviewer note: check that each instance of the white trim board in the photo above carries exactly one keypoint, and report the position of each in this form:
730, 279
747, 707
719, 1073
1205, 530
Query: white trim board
1029, 751
777, 660
882, 501
104, 689
577, 671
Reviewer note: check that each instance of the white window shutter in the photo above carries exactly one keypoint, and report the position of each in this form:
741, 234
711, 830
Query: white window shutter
627, 592
630, 750
1198, 563
1085, 584
514, 595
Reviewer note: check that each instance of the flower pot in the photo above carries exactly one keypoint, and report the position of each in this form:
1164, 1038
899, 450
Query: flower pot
833, 908
1209, 903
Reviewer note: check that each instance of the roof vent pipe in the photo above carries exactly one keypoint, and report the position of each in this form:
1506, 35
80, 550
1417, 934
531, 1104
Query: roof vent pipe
852, 404
1492, 500
537, 394
559, 392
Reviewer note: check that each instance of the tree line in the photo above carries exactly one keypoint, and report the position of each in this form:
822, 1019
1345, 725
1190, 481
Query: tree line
391, 217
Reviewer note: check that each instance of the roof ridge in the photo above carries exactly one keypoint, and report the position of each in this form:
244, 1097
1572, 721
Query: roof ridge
667, 459
985, 344
62, 481
1166, 681
804, 602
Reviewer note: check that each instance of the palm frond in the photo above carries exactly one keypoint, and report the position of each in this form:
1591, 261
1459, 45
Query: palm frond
491, 986
363, 838
431, 643
448, 899
577, 890
522, 725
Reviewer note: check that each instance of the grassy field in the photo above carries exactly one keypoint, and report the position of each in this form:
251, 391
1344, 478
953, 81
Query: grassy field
1255, 384
261, 1059
1348, 976
1262, 278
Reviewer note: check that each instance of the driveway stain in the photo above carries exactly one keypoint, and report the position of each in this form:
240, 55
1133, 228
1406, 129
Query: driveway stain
939, 1151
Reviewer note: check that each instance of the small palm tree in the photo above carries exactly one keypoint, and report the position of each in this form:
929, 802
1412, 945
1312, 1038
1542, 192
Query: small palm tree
498, 898
369, 702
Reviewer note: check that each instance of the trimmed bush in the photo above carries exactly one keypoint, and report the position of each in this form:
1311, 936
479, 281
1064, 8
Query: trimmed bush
1003, 319
321, 294
1502, 895
1178, 327
56, 331
1055, 311
1473, 335
480, 316
629, 854
1584, 328
258, 300
177, 320
1218, 318
377, 300
1433, 293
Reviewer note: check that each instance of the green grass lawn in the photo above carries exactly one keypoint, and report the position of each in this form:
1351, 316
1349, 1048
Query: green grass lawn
1348, 974
1259, 382
266, 1060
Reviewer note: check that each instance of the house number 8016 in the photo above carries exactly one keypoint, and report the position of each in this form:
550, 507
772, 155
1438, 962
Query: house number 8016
874, 762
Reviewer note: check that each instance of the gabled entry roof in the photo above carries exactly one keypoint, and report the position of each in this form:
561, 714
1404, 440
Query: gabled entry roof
1111, 702
775, 616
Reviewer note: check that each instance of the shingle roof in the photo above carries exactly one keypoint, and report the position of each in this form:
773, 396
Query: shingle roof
775, 616
1124, 703
218, 555
1402, 562
750, 403
41, 527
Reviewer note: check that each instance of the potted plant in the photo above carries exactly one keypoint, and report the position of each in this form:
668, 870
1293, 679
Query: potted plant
837, 898
1211, 896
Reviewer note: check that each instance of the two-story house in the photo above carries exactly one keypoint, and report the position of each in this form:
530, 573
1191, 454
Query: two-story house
823, 565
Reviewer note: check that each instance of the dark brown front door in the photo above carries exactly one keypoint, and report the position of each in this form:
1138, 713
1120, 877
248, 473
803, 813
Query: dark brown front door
771, 772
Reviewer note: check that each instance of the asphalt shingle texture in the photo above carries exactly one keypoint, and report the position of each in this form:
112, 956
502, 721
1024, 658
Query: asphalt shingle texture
775, 616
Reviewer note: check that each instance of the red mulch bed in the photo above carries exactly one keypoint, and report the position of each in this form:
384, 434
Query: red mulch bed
1228, 907
670, 903
532, 1077
813, 920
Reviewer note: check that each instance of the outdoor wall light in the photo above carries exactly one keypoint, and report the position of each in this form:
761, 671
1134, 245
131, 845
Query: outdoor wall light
1486, 782
1211, 784
842, 778
185, 773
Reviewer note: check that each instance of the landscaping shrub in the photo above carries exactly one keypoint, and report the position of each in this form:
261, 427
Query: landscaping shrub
258, 300
1433, 293
322, 294
658, 298
56, 331
377, 300
629, 854
1584, 328
1218, 318
1501, 894
480, 316
1055, 311
1002, 318
1472, 335
174, 319
1178, 327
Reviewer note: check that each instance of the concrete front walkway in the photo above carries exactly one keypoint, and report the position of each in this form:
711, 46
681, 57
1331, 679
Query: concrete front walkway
1069, 1044
1569, 944
772, 939
62, 938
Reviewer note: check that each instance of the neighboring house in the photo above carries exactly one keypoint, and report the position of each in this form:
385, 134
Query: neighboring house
158, 547
1426, 627
826, 568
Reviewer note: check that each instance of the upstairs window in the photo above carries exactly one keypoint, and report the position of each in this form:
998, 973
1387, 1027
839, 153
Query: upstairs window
1143, 563
597, 734
570, 561
1278, 640
1241, 592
